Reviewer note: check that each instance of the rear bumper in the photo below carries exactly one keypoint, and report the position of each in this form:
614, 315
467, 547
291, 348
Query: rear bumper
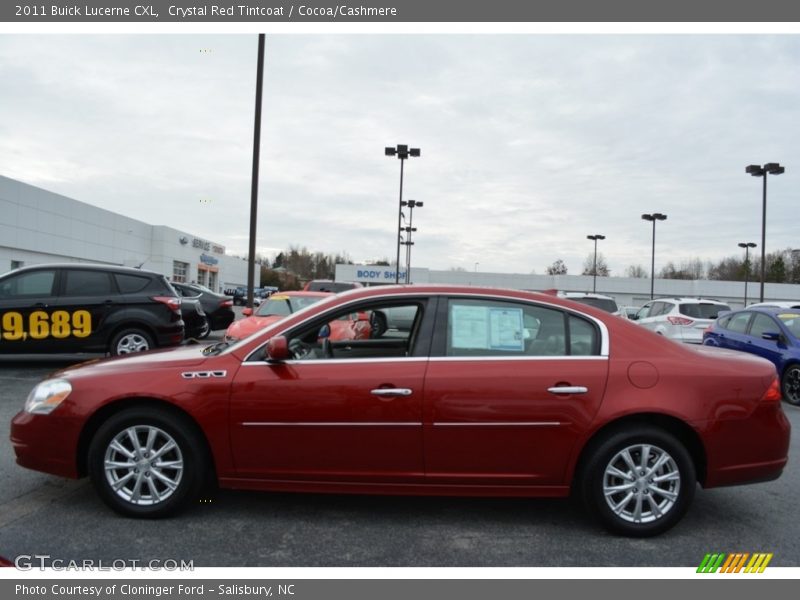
748, 450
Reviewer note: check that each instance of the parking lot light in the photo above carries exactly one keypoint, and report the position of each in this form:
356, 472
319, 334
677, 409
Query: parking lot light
402, 152
595, 237
408, 243
653, 217
746, 246
759, 171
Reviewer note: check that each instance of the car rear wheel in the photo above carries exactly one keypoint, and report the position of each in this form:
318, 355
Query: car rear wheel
131, 340
146, 462
639, 482
205, 330
790, 385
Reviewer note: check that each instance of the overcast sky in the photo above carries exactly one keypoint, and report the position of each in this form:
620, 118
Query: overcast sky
529, 142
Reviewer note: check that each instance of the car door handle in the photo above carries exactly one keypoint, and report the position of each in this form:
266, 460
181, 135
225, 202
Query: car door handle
390, 392
566, 390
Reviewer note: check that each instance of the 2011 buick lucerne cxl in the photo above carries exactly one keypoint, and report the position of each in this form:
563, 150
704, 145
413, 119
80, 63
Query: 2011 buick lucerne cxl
473, 392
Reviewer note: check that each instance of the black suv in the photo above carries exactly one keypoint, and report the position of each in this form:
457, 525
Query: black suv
79, 307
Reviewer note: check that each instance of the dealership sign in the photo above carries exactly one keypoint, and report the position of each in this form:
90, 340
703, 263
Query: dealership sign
378, 275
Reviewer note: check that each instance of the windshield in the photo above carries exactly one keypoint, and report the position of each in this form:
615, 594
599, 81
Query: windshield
703, 311
281, 305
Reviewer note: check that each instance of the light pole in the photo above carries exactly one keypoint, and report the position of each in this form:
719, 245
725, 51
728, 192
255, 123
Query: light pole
476, 266
402, 151
595, 237
408, 243
653, 217
746, 246
759, 171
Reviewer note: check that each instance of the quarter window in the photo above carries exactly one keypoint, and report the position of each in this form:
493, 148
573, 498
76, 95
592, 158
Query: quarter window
130, 284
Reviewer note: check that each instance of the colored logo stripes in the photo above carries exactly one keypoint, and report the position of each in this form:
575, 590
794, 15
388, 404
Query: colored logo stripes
735, 563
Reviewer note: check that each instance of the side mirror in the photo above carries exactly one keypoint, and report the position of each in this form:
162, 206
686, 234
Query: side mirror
247, 312
772, 336
277, 349
634, 317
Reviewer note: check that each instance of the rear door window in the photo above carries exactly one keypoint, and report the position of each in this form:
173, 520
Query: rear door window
87, 283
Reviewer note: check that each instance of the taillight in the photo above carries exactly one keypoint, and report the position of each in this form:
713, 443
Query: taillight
226, 303
171, 301
679, 321
773, 393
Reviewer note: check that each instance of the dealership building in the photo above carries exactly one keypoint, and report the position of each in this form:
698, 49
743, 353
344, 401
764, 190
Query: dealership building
38, 226
627, 291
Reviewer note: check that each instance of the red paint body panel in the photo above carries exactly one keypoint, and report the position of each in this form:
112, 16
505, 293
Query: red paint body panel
471, 427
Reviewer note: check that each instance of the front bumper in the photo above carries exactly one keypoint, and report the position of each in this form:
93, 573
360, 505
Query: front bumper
46, 443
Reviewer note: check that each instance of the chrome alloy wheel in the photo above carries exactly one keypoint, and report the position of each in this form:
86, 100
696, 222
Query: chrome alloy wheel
132, 342
143, 465
641, 483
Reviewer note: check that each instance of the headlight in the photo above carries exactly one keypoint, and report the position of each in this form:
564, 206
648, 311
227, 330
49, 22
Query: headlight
47, 396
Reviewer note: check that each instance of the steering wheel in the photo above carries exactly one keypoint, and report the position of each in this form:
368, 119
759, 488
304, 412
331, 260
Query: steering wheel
300, 350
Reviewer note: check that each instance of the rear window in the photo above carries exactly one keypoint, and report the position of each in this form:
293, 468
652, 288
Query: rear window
605, 304
703, 311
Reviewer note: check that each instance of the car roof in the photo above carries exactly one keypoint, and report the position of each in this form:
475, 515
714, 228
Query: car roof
84, 266
689, 300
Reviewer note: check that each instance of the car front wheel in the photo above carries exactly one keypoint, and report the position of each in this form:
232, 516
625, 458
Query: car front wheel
146, 462
790, 385
639, 482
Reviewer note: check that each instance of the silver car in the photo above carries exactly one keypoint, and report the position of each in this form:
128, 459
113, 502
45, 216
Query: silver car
680, 319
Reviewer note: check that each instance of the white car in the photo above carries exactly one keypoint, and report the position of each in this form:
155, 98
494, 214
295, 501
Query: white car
680, 319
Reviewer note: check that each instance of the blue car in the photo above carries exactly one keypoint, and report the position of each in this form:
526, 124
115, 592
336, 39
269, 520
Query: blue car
772, 333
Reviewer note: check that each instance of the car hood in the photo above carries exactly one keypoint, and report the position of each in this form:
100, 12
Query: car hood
249, 325
188, 355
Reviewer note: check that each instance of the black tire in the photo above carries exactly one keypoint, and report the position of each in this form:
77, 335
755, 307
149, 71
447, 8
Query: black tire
673, 495
156, 499
129, 340
205, 330
790, 385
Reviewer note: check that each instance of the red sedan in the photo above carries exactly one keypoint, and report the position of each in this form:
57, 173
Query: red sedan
465, 391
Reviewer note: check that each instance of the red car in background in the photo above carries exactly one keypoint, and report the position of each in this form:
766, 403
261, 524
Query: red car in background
464, 391
282, 304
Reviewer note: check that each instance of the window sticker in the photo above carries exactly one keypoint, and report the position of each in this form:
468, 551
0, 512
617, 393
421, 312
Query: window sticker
486, 328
